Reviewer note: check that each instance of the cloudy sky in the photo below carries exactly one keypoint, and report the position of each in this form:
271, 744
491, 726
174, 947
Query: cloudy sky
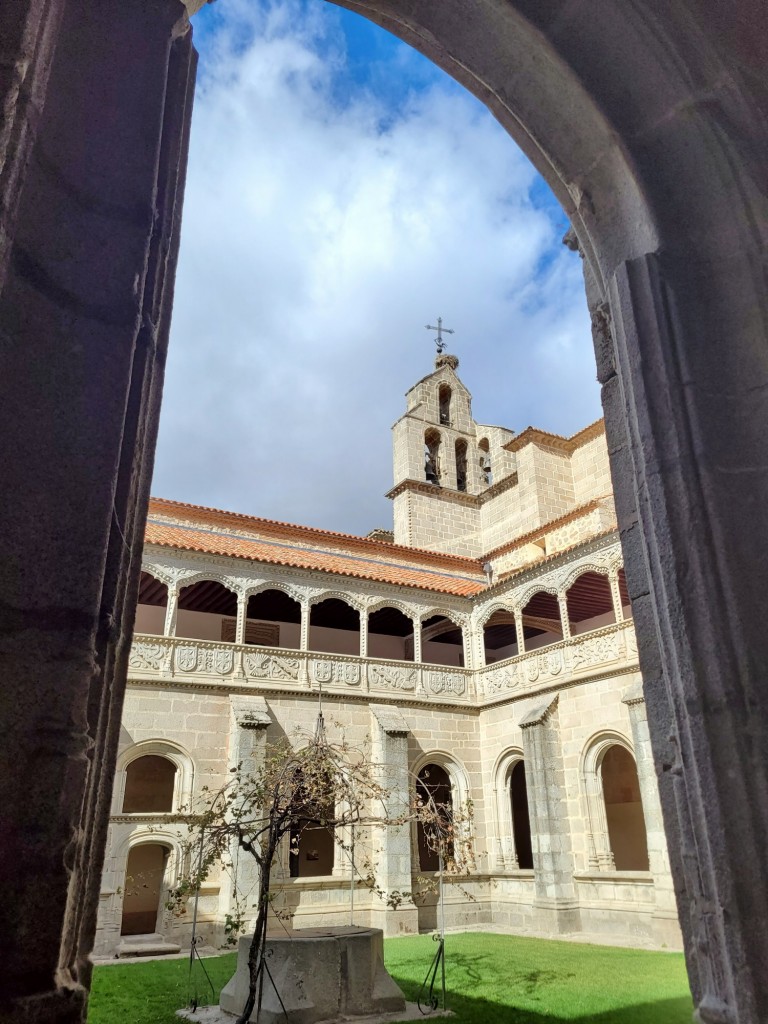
342, 193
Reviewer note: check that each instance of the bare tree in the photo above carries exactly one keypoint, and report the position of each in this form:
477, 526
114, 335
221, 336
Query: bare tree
320, 784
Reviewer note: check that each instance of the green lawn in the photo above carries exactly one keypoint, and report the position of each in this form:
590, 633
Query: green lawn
491, 979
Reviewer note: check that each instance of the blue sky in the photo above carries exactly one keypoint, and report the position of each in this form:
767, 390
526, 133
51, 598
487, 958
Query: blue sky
342, 193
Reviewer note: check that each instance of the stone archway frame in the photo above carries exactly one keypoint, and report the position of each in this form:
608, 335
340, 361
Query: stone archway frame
663, 183
459, 619
148, 835
590, 771
505, 836
183, 782
461, 793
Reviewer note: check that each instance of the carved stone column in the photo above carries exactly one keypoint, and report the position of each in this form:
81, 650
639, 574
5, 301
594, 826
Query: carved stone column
519, 631
304, 629
565, 620
665, 916
392, 843
249, 720
171, 611
555, 901
364, 633
618, 608
96, 101
242, 615
417, 652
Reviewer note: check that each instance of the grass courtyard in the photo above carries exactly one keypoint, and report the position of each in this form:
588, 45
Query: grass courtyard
491, 979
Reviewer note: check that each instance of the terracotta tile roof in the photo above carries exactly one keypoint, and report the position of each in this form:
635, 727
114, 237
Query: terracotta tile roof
187, 537
180, 513
533, 435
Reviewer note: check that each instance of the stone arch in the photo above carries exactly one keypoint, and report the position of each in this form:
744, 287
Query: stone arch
589, 600
430, 655
339, 595
491, 609
172, 752
459, 785
154, 875
272, 615
658, 188
338, 628
444, 401
391, 630
513, 839
295, 593
600, 828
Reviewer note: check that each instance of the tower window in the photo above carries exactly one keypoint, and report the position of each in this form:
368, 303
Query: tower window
432, 456
485, 461
444, 399
461, 465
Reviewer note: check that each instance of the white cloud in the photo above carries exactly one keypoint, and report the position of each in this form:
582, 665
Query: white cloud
320, 234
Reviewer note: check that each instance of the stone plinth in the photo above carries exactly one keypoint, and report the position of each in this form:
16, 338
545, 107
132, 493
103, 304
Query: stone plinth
321, 974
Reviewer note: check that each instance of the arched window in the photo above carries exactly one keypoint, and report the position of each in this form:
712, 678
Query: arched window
444, 401
152, 604
204, 608
390, 635
433, 789
590, 602
461, 465
500, 636
273, 619
334, 627
521, 822
442, 641
624, 810
150, 783
311, 842
541, 621
144, 883
432, 456
485, 461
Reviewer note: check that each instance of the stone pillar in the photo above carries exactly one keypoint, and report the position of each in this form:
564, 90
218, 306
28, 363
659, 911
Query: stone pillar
171, 612
417, 652
520, 631
555, 901
304, 633
618, 609
392, 843
364, 633
565, 620
686, 413
96, 101
242, 616
665, 916
249, 720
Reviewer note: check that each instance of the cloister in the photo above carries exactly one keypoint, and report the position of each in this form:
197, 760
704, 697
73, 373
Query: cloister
649, 124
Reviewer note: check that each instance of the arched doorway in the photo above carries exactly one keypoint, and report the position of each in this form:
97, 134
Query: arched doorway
624, 810
143, 887
521, 821
150, 783
434, 791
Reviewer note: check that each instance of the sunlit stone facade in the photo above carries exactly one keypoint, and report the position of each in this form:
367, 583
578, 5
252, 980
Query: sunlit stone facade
491, 641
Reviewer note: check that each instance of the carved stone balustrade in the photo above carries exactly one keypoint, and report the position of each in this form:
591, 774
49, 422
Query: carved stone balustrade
607, 650
203, 661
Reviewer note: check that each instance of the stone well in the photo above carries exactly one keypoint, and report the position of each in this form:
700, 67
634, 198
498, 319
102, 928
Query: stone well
322, 974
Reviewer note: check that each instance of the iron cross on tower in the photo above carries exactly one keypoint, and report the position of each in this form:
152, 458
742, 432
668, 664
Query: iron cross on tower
439, 339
